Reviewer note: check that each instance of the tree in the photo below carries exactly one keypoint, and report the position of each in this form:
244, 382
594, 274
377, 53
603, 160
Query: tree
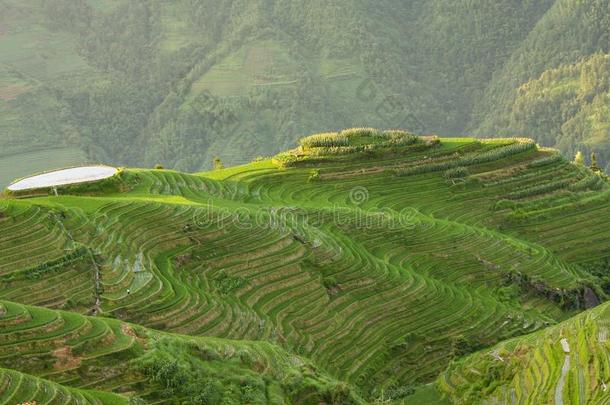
579, 159
218, 163
594, 165
158, 166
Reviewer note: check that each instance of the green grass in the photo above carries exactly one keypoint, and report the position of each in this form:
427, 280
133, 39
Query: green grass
382, 281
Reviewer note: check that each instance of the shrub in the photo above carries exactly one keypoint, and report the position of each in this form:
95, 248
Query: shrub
338, 393
218, 163
568, 299
502, 152
461, 345
405, 140
395, 133
399, 137
471, 159
208, 353
158, 167
111, 184
327, 139
285, 159
540, 189
207, 392
359, 132
459, 172
589, 182
314, 175
226, 284
355, 142
252, 391
37, 272
245, 357
546, 161
594, 165
168, 374
396, 393
579, 159
336, 150
330, 282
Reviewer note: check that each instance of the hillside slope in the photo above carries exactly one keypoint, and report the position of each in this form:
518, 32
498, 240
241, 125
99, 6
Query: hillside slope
566, 363
377, 256
82, 351
138, 82
569, 106
569, 34
19, 388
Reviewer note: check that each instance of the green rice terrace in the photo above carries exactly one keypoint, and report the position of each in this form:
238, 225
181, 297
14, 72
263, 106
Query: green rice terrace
363, 266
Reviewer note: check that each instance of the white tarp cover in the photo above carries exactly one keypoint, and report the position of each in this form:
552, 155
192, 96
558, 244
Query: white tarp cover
63, 177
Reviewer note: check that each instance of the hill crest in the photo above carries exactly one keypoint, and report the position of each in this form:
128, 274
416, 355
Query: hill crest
379, 257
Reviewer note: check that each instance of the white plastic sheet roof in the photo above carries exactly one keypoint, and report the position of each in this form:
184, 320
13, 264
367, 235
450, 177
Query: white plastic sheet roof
64, 177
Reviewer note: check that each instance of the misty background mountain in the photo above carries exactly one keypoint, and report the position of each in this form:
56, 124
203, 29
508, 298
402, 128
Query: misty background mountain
138, 83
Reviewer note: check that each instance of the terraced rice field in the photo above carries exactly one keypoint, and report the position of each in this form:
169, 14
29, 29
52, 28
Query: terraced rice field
357, 275
65, 349
264, 63
564, 364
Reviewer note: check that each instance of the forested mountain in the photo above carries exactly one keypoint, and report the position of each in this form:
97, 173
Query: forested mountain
569, 34
574, 101
137, 82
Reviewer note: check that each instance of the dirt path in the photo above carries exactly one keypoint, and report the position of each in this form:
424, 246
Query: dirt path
564, 372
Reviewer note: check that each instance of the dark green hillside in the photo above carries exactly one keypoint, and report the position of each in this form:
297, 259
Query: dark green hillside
377, 258
456, 47
569, 105
569, 33
137, 82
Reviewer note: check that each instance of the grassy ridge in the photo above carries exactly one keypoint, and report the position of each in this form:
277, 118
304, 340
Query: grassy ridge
369, 261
